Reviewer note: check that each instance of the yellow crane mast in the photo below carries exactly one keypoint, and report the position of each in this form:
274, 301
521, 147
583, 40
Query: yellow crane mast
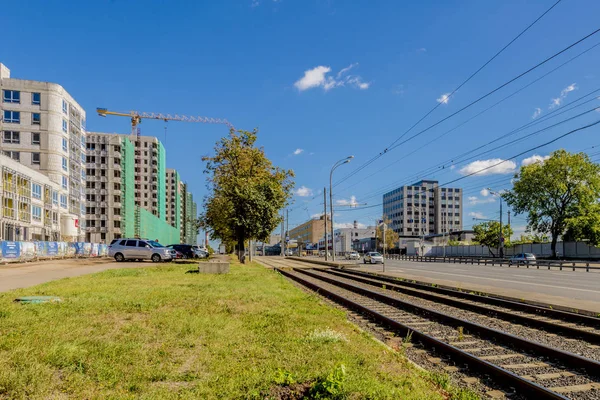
136, 118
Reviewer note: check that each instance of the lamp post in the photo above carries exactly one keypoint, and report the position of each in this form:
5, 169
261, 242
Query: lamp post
337, 164
501, 236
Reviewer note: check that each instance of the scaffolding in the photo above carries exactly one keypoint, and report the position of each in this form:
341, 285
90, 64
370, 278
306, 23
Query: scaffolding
128, 220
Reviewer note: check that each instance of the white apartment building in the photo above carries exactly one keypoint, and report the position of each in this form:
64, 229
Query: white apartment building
424, 208
33, 206
43, 128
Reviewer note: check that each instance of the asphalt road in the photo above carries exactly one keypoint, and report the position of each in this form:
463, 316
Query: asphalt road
576, 289
15, 276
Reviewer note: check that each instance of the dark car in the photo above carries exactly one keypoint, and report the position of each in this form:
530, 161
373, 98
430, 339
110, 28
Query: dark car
185, 249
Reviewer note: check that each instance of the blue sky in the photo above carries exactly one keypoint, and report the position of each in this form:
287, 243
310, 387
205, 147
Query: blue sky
374, 68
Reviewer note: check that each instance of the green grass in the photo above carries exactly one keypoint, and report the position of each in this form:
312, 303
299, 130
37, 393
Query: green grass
159, 333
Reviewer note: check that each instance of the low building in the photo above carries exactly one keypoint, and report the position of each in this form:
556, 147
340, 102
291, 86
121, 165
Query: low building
309, 232
33, 206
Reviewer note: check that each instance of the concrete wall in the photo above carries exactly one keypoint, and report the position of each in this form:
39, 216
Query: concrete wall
564, 249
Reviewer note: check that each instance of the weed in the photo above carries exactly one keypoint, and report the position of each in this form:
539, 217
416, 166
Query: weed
326, 336
598, 315
461, 335
383, 287
408, 338
332, 387
433, 285
440, 379
550, 307
284, 378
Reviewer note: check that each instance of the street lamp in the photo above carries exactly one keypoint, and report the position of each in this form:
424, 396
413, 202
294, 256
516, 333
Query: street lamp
501, 236
337, 164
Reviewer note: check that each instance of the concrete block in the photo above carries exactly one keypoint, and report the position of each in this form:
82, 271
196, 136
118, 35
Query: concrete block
213, 267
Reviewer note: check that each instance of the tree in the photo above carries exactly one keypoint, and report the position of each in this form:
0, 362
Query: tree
391, 237
557, 194
488, 234
585, 227
246, 191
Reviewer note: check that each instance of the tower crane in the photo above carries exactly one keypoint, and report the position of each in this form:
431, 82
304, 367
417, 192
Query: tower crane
136, 118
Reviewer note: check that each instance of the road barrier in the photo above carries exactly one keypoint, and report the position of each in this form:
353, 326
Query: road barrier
501, 262
33, 251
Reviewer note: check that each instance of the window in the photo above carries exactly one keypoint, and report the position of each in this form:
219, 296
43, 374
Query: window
64, 107
65, 165
35, 158
83, 141
15, 155
64, 126
83, 157
12, 117
11, 137
65, 182
63, 199
36, 191
36, 99
54, 217
141, 243
36, 119
64, 145
35, 138
83, 176
130, 243
12, 96
54, 198
36, 213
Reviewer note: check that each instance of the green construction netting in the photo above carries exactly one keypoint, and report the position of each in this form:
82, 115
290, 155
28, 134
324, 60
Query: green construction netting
127, 189
154, 228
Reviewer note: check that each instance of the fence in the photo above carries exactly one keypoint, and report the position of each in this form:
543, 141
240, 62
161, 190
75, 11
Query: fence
25, 251
573, 250
491, 261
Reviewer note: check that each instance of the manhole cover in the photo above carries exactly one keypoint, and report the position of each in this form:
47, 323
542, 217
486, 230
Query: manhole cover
37, 299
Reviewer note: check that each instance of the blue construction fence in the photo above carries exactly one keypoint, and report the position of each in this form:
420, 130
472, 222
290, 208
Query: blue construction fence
21, 251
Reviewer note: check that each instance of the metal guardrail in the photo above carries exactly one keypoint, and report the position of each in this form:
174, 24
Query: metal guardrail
501, 262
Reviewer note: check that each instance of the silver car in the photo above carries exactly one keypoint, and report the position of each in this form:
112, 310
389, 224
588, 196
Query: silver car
523, 258
353, 256
373, 257
139, 249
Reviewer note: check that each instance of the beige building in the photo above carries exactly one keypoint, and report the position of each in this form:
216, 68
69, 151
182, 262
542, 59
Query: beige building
174, 207
32, 205
43, 128
424, 208
310, 231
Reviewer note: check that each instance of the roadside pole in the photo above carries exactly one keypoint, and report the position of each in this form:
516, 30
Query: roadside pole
325, 220
384, 228
282, 237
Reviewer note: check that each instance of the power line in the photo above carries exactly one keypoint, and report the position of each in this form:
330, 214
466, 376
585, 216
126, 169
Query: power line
387, 150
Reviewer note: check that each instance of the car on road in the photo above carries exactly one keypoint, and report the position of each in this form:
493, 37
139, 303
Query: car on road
187, 250
289, 252
353, 256
523, 258
200, 252
373, 257
139, 249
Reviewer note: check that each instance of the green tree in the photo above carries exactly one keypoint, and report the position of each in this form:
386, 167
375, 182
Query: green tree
488, 234
557, 194
246, 191
391, 237
585, 227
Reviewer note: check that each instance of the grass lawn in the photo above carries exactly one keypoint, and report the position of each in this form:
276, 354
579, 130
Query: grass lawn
162, 333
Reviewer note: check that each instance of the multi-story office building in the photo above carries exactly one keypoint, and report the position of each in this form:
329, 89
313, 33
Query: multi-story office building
309, 232
189, 217
423, 208
32, 205
43, 128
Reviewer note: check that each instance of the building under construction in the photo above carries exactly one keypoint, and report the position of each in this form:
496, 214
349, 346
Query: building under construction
129, 192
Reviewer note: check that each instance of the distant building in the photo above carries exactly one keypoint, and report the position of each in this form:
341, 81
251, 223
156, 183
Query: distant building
274, 239
424, 208
347, 239
310, 231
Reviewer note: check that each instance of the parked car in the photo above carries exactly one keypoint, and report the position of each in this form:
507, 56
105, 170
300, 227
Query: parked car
139, 249
178, 255
289, 252
201, 252
373, 257
523, 258
353, 256
187, 250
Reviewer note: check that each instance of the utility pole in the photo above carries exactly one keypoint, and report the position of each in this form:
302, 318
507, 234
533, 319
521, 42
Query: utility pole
282, 227
384, 243
501, 245
325, 220
509, 238
331, 209
287, 224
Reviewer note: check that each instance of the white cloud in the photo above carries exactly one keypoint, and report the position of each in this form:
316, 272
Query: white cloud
303, 191
343, 202
555, 102
338, 225
489, 167
298, 151
444, 99
476, 214
484, 192
255, 3
316, 216
422, 50
533, 159
452, 166
318, 77
474, 200
536, 113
